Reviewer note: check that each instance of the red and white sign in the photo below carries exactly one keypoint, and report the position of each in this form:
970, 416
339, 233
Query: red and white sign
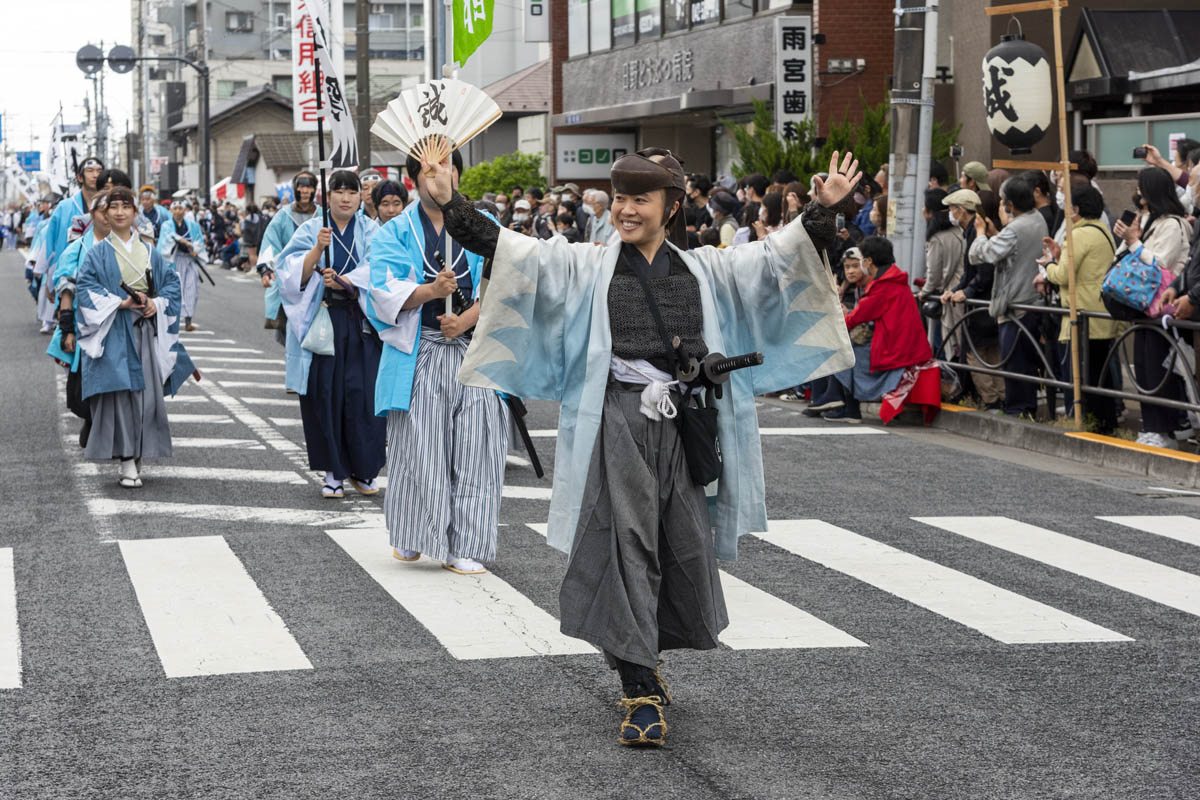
304, 75
157, 164
227, 191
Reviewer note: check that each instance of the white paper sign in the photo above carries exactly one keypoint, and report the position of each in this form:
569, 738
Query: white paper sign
304, 75
793, 74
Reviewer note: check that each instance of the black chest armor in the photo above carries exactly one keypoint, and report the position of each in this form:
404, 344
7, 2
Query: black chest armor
634, 334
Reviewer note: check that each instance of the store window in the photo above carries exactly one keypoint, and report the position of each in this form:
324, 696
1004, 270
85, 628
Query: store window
577, 28
600, 12
705, 12
649, 19
675, 15
736, 9
624, 24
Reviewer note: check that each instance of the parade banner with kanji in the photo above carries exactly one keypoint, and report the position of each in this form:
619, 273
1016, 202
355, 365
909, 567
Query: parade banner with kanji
472, 26
304, 60
793, 74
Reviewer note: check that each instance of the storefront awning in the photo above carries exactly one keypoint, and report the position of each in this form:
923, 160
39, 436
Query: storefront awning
688, 101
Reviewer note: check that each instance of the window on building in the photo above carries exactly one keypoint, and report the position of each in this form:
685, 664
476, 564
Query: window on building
675, 15
282, 84
225, 89
734, 9
281, 21
649, 19
381, 22
706, 12
577, 28
600, 12
239, 21
624, 23
158, 39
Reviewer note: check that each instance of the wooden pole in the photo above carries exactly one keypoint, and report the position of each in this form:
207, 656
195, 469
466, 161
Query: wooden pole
1069, 250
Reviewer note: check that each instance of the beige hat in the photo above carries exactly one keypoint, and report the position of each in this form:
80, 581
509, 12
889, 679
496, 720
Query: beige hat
977, 172
965, 198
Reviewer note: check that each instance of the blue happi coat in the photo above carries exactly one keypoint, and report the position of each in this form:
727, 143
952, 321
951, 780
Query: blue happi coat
300, 302
397, 261
544, 333
65, 274
59, 225
110, 361
166, 238
275, 240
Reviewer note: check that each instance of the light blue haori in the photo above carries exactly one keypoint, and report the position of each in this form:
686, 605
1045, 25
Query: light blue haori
300, 302
110, 361
65, 274
275, 240
398, 267
543, 333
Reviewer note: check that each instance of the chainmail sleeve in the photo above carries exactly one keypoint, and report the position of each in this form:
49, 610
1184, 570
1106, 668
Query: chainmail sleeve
469, 227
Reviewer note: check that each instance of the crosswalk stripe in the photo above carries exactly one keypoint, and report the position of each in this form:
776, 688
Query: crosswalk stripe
1179, 528
184, 336
223, 444
153, 471
1157, 582
856, 430
205, 613
995, 612
10, 632
182, 398
237, 360
285, 400
760, 621
257, 425
508, 490
205, 349
251, 385
261, 372
285, 422
473, 616
187, 337
107, 507
201, 419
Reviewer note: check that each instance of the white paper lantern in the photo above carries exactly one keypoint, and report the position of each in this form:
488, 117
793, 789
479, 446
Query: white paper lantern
1016, 93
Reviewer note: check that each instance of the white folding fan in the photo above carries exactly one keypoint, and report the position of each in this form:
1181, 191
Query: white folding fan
432, 120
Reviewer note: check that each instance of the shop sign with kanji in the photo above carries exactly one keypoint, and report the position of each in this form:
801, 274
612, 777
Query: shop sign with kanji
793, 74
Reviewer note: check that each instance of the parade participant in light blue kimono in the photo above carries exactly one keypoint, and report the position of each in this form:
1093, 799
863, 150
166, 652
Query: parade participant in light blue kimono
446, 442
63, 347
332, 345
580, 325
128, 322
57, 234
181, 242
151, 215
36, 256
279, 232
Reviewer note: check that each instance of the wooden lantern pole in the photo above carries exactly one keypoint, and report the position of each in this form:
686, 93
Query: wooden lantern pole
1064, 164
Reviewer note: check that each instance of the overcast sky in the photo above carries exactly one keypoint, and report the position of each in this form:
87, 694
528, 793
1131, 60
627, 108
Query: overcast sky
38, 41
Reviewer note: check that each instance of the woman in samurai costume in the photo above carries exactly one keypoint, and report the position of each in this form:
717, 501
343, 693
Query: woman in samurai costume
332, 345
573, 324
63, 347
446, 442
279, 232
127, 299
181, 242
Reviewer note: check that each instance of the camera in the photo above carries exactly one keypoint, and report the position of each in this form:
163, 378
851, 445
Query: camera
956, 151
1139, 152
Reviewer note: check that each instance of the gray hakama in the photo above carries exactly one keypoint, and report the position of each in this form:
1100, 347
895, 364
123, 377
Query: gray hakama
189, 285
642, 576
129, 424
445, 459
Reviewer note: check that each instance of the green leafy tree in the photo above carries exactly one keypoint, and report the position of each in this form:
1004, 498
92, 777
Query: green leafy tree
761, 151
502, 173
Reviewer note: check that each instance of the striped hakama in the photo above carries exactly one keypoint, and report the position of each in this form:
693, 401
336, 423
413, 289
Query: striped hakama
445, 459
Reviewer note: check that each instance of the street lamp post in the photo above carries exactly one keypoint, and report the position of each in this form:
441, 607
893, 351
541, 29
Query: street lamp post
122, 59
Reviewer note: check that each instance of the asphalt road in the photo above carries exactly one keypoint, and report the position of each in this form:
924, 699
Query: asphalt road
928, 618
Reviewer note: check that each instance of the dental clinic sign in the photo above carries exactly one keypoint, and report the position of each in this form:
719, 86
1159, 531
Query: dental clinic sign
793, 74
583, 156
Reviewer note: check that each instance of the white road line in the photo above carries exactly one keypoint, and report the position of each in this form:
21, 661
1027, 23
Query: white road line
286, 422
205, 613
1161, 584
108, 507
1179, 528
849, 430
186, 338
196, 333
224, 360
514, 492
760, 621
255, 423
995, 612
285, 400
196, 419
473, 616
260, 372
152, 471
223, 444
516, 461
206, 349
183, 398
251, 385
10, 631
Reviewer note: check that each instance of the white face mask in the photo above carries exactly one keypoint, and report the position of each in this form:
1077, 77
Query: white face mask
501, 206
520, 216
954, 215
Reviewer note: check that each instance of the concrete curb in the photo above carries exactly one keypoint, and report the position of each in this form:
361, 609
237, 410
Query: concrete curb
1106, 451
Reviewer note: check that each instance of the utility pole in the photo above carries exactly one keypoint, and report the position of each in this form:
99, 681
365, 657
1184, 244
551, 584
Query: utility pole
144, 109
912, 128
362, 46
206, 180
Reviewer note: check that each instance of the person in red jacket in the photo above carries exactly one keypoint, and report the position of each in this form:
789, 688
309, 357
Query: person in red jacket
891, 366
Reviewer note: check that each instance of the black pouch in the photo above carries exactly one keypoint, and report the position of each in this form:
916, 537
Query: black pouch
698, 434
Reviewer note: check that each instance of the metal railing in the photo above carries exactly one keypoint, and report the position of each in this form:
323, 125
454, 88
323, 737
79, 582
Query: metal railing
1117, 353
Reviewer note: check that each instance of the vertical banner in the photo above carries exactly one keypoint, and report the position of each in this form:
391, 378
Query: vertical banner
304, 74
333, 96
472, 26
793, 74
23, 182
537, 20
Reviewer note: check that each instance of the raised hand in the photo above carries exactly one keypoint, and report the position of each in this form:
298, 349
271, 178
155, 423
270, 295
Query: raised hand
437, 180
841, 181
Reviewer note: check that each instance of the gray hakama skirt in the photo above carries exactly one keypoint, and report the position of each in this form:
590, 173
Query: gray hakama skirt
642, 576
129, 424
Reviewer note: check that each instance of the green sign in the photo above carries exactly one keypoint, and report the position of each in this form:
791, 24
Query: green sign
472, 26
